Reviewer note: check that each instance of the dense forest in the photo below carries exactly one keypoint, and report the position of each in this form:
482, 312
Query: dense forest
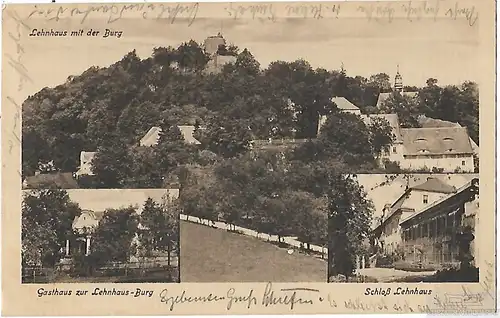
290, 192
118, 104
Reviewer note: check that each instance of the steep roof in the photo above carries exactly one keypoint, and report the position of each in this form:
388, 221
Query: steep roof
434, 185
87, 156
62, 180
188, 134
427, 122
471, 185
343, 103
436, 141
382, 97
391, 118
151, 137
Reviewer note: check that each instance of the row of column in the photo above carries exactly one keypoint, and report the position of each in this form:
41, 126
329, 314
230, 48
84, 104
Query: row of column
87, 246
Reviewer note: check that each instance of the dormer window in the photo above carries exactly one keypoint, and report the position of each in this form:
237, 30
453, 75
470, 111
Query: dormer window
447, 139
394, 149
449, 150
420, 140
423, 151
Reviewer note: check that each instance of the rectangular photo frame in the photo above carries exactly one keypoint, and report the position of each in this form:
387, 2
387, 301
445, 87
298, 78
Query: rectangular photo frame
270, 127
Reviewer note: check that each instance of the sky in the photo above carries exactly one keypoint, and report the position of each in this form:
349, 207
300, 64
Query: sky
443, 49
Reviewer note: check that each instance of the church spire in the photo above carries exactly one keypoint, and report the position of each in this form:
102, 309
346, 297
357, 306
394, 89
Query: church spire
398, 82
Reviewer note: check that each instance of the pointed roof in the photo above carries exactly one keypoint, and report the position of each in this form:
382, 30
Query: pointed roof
151, 137
434, 185
428, 122
188, 134
436, 141
344, 104
472, 185
382, 97
391, 118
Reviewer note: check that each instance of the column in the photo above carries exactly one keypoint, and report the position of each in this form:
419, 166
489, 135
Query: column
363, 261
87, 251
67, 247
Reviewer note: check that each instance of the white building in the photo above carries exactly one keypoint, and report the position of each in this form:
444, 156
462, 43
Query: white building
446, 148
86, 158
412, 200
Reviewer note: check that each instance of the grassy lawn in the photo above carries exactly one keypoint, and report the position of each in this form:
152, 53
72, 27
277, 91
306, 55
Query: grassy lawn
215, 255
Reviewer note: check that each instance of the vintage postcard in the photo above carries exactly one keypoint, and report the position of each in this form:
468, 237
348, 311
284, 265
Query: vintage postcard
249, 158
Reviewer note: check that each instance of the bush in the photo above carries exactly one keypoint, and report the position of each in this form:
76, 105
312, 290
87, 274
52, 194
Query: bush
391, 166
465, 275
385, 261
437, 170
414, 267
352, 279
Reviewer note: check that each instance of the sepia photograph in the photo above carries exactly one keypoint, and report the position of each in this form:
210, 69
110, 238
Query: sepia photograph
422, 229
273, 149
100, 236
249, 139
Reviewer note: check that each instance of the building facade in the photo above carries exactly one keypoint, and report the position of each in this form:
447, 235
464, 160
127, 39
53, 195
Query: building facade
446, 148
389, 233
430, 235
86, 158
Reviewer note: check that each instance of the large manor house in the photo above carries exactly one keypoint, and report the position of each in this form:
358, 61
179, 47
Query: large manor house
437, 145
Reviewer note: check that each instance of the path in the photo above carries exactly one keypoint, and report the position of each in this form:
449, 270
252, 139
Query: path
290, 240
390, 274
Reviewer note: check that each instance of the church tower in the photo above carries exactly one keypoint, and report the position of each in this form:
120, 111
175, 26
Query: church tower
398, 82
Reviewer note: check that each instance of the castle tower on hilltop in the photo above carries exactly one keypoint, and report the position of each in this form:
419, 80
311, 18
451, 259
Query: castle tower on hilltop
398, 82
212, 43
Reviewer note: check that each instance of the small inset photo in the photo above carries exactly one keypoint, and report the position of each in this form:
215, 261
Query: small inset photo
422, 228
100, 236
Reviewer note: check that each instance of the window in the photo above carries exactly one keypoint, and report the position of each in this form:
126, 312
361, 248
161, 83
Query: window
425, 199
394, 150
463, 162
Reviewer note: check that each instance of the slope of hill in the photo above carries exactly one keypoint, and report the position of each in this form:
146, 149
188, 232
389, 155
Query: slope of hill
214, 255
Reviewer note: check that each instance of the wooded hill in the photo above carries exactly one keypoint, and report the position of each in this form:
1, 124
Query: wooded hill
119, 103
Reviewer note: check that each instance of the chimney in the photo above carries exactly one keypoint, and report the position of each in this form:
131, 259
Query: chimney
37, 172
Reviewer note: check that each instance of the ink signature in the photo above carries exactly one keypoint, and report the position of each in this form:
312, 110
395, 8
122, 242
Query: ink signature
16, 62
467, 300
115, 12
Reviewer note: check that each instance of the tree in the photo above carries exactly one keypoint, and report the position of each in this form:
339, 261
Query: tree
112, 164
226, 138
172, 150
35, 150
310, 217
349, 223
160, 227
113, 237
345, 136
47, 217
191, 56
405, 106
246, 63
381, 135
